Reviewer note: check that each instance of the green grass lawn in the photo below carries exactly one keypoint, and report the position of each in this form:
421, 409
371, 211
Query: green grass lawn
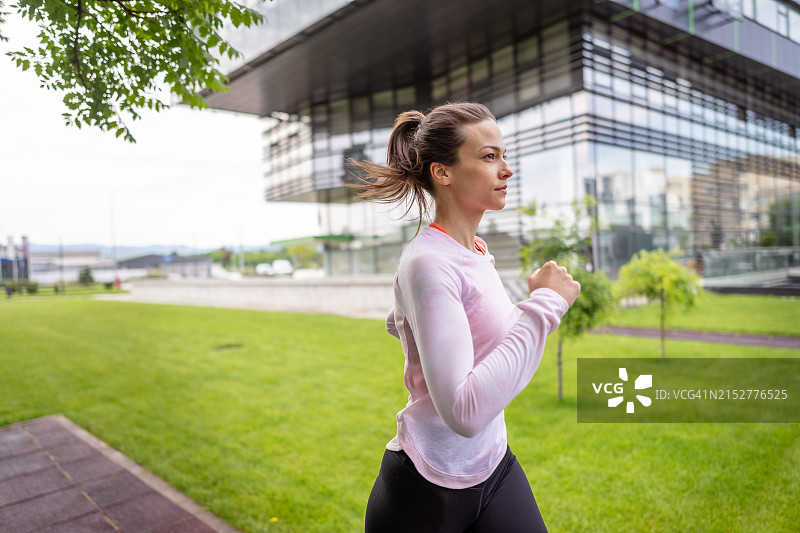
258, 415
723, 312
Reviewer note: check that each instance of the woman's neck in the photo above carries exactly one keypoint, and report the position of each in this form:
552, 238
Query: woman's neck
461, 228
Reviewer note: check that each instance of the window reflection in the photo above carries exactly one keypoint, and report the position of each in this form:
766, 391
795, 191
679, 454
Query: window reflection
767, 13
557, 110
794, 25
655, 97
603, 107
615, 202
547, 177
649, 199
671, 124
678, 202
613, 174
639, 117
530, 118
622, 111
656, 120
580, 103
621, 87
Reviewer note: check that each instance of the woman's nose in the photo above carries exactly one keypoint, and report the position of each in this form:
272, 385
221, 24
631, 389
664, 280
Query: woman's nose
507, 172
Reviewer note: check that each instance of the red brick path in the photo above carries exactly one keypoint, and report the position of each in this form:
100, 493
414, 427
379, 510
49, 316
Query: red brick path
56, 478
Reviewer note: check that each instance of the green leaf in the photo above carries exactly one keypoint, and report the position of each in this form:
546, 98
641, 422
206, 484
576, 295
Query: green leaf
123, 55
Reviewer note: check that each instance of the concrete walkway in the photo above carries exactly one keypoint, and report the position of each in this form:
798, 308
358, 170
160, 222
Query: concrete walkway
357, 296
355, 311
57, 478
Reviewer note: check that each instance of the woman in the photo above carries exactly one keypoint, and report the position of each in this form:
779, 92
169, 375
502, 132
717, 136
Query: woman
449, 467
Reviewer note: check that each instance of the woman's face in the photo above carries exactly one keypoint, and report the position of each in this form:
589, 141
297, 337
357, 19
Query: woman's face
479, 179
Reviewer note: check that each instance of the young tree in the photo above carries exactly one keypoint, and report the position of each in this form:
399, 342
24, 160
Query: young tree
567, 240
85, 276
592, 308
658, 277
110, 56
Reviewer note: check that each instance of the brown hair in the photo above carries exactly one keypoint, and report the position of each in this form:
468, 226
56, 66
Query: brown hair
416, 141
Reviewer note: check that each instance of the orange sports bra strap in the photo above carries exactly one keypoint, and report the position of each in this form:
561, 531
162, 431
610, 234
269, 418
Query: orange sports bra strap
478, 245
434, 225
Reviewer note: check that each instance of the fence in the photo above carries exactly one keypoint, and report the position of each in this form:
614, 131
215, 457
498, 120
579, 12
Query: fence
754, 266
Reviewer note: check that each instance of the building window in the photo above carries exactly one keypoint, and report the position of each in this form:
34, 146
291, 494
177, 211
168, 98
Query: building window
767, 13
794, 25
547, 178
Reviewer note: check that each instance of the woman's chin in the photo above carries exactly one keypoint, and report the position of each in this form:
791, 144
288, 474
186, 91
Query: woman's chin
499, 206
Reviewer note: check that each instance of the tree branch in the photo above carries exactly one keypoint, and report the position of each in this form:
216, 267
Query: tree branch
75, 55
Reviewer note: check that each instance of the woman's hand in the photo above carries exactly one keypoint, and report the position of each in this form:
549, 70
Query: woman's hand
552, 276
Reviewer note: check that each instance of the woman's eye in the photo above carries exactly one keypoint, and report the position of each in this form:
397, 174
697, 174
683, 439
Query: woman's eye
489, 156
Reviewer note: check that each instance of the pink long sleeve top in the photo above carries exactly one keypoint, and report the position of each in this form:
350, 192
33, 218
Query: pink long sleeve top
467, 355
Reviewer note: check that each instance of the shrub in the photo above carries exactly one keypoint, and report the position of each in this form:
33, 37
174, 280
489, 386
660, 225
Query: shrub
85, 277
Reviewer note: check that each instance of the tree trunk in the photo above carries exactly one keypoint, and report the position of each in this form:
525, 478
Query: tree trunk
662, 324
558, 362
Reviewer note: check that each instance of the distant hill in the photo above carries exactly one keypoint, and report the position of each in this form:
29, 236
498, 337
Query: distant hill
122, 252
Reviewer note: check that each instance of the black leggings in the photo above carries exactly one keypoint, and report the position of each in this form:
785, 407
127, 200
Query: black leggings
402, 501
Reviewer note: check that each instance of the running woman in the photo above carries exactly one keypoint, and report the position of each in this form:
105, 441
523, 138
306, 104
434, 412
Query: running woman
449, 468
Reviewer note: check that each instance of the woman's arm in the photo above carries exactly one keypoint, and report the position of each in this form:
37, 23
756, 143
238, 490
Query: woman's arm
391, 327
467, 396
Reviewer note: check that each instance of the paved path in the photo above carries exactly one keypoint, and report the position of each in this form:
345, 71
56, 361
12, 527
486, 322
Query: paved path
254, 306
771, 341
57, 478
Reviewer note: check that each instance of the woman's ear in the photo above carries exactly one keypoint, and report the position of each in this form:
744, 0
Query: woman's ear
440, 174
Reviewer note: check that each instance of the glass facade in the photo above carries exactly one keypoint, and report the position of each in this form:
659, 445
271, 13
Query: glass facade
680, 152
681, 160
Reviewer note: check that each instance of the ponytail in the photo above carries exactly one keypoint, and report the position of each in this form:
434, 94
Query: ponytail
416, 142
403, 177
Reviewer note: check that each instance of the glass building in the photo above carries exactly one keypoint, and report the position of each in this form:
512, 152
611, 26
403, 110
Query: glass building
680, 117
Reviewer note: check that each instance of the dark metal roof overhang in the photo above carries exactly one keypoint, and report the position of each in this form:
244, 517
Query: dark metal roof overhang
373, 45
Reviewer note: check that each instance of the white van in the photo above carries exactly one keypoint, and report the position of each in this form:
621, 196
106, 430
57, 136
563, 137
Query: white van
265, 269
282, 267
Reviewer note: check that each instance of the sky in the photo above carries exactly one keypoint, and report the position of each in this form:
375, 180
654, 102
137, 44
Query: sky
193, 178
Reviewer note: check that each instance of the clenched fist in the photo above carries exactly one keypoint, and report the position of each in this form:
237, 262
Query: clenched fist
552, 276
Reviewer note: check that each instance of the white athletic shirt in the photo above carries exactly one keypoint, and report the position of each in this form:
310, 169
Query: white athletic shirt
466, 356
